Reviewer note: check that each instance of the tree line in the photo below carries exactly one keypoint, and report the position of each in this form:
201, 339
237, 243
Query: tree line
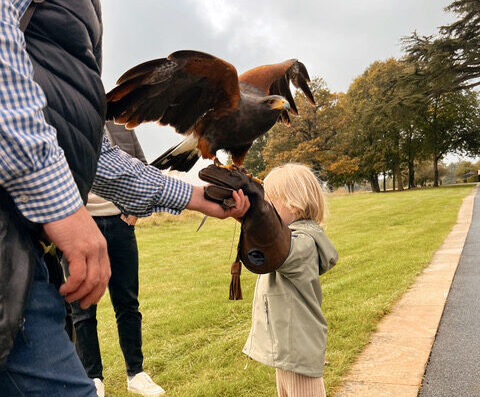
395, 117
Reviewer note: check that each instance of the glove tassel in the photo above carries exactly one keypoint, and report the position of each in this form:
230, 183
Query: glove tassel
235, 287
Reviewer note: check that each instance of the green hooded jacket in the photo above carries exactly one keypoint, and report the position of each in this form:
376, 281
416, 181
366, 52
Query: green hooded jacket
288, 329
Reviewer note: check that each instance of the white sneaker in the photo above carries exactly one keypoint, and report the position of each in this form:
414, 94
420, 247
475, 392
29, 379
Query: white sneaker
100, 387
142, 384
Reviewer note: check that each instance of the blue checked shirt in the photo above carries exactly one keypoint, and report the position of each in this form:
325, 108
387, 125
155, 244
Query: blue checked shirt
33, 168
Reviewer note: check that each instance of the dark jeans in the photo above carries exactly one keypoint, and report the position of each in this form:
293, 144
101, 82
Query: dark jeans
123, 287
42, 361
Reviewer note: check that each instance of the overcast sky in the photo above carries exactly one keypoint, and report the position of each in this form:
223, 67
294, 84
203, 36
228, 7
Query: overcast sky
335, 39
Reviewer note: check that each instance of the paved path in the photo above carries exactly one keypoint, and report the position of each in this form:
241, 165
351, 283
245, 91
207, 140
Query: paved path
454, 366
393, 363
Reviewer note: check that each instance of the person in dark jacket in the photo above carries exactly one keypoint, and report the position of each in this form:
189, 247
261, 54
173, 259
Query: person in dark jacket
52, 153
119, 232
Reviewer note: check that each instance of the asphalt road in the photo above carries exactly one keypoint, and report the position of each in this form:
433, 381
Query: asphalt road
454, 366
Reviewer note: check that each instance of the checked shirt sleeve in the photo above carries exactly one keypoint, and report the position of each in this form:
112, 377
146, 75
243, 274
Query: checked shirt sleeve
137, 189
33, 168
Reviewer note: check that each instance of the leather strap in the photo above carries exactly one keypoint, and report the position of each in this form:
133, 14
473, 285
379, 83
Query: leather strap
129, 219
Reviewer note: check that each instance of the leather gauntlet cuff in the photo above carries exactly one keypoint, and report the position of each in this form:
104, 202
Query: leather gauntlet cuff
265, 240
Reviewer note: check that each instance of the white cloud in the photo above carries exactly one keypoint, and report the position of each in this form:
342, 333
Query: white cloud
218, 13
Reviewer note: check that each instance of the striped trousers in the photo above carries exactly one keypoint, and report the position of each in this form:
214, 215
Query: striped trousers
291, 384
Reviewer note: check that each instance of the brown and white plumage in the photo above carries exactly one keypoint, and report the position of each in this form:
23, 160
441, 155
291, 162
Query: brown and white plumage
204, 99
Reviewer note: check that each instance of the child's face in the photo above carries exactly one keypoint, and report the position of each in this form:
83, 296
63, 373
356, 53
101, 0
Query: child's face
286, 215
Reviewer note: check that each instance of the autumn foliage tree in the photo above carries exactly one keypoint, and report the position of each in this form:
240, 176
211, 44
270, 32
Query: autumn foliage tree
311, 138
307, 138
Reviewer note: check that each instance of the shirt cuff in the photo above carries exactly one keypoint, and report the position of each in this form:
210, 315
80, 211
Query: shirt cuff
46, 195
174, 196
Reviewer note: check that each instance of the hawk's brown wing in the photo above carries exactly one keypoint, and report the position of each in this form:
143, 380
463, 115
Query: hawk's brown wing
176, 90
275, 80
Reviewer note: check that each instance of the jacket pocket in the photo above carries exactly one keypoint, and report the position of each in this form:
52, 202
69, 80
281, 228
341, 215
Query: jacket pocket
259, 344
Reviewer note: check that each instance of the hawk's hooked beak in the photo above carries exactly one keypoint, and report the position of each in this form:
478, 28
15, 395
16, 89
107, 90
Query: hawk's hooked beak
281, 104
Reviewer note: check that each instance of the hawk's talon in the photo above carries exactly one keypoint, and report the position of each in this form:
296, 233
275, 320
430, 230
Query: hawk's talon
250, 175
229, 167
254, 178
234, 167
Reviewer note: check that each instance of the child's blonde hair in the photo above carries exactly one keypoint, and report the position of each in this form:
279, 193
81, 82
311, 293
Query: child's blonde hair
298, 189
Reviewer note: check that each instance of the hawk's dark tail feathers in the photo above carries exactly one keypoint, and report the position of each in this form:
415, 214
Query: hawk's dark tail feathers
181, 157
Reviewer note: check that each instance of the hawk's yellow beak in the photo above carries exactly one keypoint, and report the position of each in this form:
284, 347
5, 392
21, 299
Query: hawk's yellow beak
281, 104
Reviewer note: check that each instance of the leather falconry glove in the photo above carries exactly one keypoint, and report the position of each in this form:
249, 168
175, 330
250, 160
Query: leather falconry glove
264, 242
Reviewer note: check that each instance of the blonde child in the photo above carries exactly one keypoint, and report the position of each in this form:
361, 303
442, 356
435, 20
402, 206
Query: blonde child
288, 330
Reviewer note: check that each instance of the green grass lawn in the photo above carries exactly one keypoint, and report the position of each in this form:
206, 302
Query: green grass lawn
193, 335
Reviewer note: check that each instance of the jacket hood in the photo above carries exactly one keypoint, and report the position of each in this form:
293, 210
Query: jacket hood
327, 254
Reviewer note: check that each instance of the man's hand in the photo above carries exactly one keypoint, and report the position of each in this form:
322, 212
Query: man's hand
85, 249
199, 203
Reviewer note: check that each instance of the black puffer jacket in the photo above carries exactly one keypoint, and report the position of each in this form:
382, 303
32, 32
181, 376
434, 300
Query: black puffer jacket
64, 39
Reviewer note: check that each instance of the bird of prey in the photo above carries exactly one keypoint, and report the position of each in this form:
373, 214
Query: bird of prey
204, 99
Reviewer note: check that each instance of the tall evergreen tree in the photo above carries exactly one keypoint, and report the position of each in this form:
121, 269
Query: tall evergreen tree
451, 59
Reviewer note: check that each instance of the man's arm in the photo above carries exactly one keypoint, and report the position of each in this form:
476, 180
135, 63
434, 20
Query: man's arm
33, 168
139, 189
34, 171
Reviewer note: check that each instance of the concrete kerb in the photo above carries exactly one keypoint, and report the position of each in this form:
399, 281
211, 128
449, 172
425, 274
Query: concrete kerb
393, 363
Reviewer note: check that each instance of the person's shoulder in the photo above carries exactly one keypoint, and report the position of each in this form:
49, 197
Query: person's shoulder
310, 236
122, 136
305, 227
302, 241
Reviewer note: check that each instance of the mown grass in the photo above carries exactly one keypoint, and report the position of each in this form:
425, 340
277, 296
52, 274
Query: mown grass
192, 333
